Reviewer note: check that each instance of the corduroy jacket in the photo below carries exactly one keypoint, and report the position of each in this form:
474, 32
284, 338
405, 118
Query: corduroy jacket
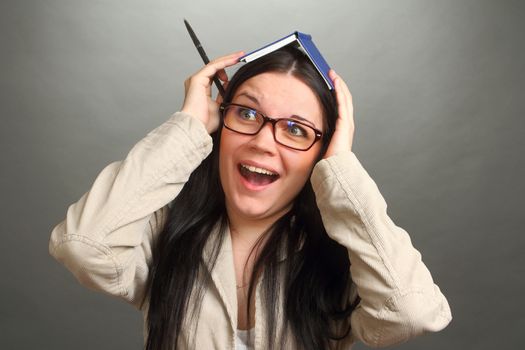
105, 241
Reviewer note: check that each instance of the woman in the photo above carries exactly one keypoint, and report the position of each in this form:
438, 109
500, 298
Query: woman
258, 229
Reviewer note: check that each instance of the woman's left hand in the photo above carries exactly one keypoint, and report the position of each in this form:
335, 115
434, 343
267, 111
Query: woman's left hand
343, 136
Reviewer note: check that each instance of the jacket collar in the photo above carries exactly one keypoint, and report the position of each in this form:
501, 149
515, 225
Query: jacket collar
223, 277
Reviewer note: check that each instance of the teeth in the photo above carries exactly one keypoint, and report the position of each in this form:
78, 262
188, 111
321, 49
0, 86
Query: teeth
254, 169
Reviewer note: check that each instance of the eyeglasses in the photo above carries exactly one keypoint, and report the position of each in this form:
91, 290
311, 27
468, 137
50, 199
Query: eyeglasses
286, 131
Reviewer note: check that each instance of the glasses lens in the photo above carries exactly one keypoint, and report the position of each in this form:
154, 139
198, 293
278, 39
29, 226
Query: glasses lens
294, 134
242, 119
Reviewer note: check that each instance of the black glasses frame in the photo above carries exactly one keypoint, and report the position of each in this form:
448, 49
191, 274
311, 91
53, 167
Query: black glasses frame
266, 119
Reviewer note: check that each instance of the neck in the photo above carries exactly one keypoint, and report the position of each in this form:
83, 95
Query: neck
246, 231
247, 242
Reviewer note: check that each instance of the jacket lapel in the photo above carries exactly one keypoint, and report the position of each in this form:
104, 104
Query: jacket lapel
223, 274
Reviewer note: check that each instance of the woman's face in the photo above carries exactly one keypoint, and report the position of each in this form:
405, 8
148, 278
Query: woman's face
276, 95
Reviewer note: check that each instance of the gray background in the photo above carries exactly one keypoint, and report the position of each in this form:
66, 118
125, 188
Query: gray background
438, 90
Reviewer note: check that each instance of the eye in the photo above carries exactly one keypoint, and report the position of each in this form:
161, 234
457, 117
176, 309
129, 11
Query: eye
295, 129
247, 114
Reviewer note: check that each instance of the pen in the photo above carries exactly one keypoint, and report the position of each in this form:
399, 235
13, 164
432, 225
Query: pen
198, 45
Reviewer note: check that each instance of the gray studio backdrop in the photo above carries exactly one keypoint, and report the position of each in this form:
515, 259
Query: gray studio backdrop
438, 90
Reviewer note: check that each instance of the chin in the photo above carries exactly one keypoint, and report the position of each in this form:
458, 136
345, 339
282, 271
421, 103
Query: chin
256, 209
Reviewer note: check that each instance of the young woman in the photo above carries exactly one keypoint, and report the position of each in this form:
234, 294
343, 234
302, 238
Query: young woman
249, 223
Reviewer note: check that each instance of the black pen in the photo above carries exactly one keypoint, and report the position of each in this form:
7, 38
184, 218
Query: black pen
198, 45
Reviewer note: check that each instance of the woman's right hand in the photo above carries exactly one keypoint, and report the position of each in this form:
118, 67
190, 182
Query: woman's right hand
197, 100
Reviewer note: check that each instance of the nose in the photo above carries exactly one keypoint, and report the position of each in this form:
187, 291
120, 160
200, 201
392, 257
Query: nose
264, 140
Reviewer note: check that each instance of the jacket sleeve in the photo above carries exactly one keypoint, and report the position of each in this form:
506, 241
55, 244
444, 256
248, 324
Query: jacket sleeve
105, 239
399, 299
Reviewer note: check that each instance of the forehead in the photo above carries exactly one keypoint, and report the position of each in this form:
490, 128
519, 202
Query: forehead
281, 95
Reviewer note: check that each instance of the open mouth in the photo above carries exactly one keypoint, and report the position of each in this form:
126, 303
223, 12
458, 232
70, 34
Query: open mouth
257, 176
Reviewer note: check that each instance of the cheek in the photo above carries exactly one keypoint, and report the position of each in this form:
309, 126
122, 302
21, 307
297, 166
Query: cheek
229, 141
299, 166
228, 145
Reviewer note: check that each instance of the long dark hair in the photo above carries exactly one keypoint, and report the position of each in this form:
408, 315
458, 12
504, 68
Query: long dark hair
315, 275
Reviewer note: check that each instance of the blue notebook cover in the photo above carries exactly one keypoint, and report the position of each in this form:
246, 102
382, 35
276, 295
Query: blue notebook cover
304, 42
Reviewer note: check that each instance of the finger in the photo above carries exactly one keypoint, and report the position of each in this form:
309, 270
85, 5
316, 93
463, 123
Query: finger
204, 76
343, 86
346, 92
221, 74
208, 91
343, 96
235, 55
340, 96
333, 75
220, 63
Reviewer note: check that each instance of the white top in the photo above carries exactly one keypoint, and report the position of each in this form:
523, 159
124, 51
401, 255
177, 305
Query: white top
244, 339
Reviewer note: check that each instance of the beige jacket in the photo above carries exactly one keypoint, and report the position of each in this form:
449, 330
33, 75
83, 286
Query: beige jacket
105, 241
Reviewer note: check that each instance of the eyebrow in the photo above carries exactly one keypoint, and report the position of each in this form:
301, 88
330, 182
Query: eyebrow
256, 101
250, 97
